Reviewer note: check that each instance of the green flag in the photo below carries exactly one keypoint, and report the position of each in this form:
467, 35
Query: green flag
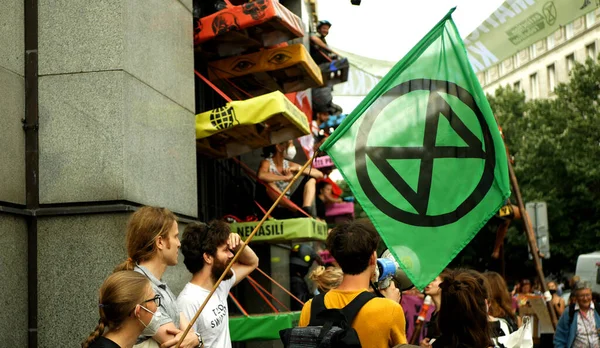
423, 155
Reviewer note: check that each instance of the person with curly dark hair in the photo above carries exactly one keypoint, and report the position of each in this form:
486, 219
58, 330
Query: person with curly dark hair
463, 317
207, 250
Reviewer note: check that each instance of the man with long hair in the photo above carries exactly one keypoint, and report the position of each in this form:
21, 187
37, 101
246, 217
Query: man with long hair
207, 250
152, 246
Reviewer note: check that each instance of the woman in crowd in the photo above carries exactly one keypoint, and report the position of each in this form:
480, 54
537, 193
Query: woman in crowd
434, 290
557, 302
500, 301
463, 319
277, 170
127, 307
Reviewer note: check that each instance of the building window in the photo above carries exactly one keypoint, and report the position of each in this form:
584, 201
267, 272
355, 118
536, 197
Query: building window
570, 62
569, 31
533, 85
590, 50
590, 19
551, 78
517, 86
501, 69
517, 60
532, 51
550, 41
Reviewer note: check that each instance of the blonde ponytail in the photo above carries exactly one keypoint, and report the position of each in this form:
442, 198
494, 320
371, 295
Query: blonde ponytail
327, 278
120, 293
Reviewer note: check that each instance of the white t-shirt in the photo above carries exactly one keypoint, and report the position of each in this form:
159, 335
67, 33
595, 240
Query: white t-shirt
213, 322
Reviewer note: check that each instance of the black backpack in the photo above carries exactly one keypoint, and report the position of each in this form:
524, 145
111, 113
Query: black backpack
327, 327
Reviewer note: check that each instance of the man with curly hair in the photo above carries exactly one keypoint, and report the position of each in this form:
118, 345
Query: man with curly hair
207, 250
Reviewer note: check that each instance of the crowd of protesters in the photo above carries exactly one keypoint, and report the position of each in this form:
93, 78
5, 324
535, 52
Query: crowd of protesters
470, 309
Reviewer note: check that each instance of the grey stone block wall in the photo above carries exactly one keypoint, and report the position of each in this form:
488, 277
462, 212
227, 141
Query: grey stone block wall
12, 137
75, 255
12, 103
12, 46
108, 136
13, 287
116, 106
150, 39
117, 102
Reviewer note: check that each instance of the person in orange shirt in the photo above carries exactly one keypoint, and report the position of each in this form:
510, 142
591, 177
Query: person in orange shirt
380, 322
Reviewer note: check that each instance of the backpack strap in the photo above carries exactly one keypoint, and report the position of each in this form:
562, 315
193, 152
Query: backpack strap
352, 308
571, 313
316, 307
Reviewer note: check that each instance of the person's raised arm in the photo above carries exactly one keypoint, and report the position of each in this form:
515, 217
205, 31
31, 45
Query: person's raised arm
265, 175
247, 262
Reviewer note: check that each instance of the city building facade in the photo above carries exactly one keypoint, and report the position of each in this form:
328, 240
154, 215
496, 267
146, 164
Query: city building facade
538, 69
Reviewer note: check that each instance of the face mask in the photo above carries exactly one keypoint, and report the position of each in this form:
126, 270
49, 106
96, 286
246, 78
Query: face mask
290, 152
152, 328
552, 292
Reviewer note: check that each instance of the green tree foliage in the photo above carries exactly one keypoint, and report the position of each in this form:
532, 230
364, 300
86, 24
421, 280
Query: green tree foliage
555, 145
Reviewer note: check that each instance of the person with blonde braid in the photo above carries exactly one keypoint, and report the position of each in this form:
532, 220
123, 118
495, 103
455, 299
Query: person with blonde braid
127, 306
153, 244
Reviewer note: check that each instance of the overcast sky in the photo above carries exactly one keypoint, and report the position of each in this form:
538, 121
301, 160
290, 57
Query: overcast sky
388, 29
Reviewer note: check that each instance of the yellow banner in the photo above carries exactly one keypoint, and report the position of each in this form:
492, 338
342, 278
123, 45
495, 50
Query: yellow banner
272, 108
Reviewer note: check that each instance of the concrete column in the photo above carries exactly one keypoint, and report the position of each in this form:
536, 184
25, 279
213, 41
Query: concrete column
13, 229
12, 103
116, 109
117, 102
13, 287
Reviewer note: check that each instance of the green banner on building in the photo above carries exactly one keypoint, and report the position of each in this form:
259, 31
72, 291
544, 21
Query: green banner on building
517, 24
283, 230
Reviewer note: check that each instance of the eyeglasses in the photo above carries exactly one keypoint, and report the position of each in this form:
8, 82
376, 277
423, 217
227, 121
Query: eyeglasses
156, 300
584, 295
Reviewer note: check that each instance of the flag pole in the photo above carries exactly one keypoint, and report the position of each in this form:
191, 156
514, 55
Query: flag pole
237, 255
530, 238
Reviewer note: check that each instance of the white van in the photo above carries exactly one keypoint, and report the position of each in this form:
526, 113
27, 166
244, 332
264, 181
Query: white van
588, 269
